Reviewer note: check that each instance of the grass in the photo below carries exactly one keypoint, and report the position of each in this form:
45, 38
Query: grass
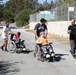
58, 38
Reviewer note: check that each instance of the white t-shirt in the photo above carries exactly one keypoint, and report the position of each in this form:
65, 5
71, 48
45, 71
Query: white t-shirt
4, 35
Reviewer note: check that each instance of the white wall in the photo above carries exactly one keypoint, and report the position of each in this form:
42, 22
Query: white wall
58, 28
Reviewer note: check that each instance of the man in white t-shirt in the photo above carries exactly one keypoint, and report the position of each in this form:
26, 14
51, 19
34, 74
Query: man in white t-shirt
5, 34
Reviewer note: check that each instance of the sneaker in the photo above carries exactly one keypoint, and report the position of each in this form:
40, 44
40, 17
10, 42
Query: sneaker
2, 48
71, 52
6, 50
74, 55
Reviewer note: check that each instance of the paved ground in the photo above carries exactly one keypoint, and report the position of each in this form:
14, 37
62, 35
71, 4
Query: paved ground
27, 64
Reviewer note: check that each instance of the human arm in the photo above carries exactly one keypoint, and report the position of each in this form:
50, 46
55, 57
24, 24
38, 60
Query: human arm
35, 30
69, 30
7, 30
10, 31
46, 31
4, 30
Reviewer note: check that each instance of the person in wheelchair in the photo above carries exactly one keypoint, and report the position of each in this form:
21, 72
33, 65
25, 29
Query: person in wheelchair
43, 42
19, 42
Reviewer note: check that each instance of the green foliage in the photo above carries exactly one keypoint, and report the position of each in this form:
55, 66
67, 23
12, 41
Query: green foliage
1, 14
45, 6
60, 2
7, 15
13, 9
15, 6
69, 1
23, 17
16, 9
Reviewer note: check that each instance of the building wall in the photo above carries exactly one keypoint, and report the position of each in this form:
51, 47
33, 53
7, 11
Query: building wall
58, 28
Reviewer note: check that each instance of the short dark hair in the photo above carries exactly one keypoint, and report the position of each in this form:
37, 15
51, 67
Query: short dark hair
19, 33
42, 20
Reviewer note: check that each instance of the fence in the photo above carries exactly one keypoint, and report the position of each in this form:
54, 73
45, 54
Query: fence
60, 13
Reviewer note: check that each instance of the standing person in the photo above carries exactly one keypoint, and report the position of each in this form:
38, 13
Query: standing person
5, 34
40, 27
72, 36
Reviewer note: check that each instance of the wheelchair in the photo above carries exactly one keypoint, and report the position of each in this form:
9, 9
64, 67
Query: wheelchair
44, 53
16, 47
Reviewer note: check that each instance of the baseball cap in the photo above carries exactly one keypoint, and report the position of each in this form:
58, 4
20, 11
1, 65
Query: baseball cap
42, 20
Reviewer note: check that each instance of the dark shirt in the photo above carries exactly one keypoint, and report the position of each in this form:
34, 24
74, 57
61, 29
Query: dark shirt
40, 28
73, 32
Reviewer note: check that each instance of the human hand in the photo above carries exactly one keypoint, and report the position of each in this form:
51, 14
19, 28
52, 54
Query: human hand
36, 37
69, 31
9, 33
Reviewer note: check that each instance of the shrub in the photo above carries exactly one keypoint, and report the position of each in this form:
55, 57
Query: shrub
23, 17
7, 15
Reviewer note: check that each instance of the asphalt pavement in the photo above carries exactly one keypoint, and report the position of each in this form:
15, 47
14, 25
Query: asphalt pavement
26, 64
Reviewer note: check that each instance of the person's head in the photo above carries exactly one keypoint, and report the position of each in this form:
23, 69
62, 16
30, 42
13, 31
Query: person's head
18, 33
7, 24
43, 21
42, 34
73, 21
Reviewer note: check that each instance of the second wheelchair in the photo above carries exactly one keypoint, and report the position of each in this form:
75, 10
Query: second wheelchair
16, 45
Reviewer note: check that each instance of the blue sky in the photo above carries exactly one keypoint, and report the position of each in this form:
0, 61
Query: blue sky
5, 1
40, 1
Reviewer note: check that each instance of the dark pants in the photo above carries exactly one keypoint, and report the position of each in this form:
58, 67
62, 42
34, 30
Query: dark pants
73, 45
21, 43
45, 48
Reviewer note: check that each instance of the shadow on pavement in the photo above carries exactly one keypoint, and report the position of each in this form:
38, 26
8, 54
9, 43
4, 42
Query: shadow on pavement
7, 68
25, 52
58, 57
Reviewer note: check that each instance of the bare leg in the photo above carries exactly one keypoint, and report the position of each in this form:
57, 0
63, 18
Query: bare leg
5, 42
35, 50
2, 47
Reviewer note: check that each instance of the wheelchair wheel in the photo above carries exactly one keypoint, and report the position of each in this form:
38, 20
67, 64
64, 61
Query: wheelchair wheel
52, 59
38, 52
12, 46
51, 46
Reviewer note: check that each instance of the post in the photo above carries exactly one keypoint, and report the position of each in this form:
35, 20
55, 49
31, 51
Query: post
68, 12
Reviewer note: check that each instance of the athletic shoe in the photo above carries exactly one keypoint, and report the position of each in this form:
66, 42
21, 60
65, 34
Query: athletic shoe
6, 50
2, 48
